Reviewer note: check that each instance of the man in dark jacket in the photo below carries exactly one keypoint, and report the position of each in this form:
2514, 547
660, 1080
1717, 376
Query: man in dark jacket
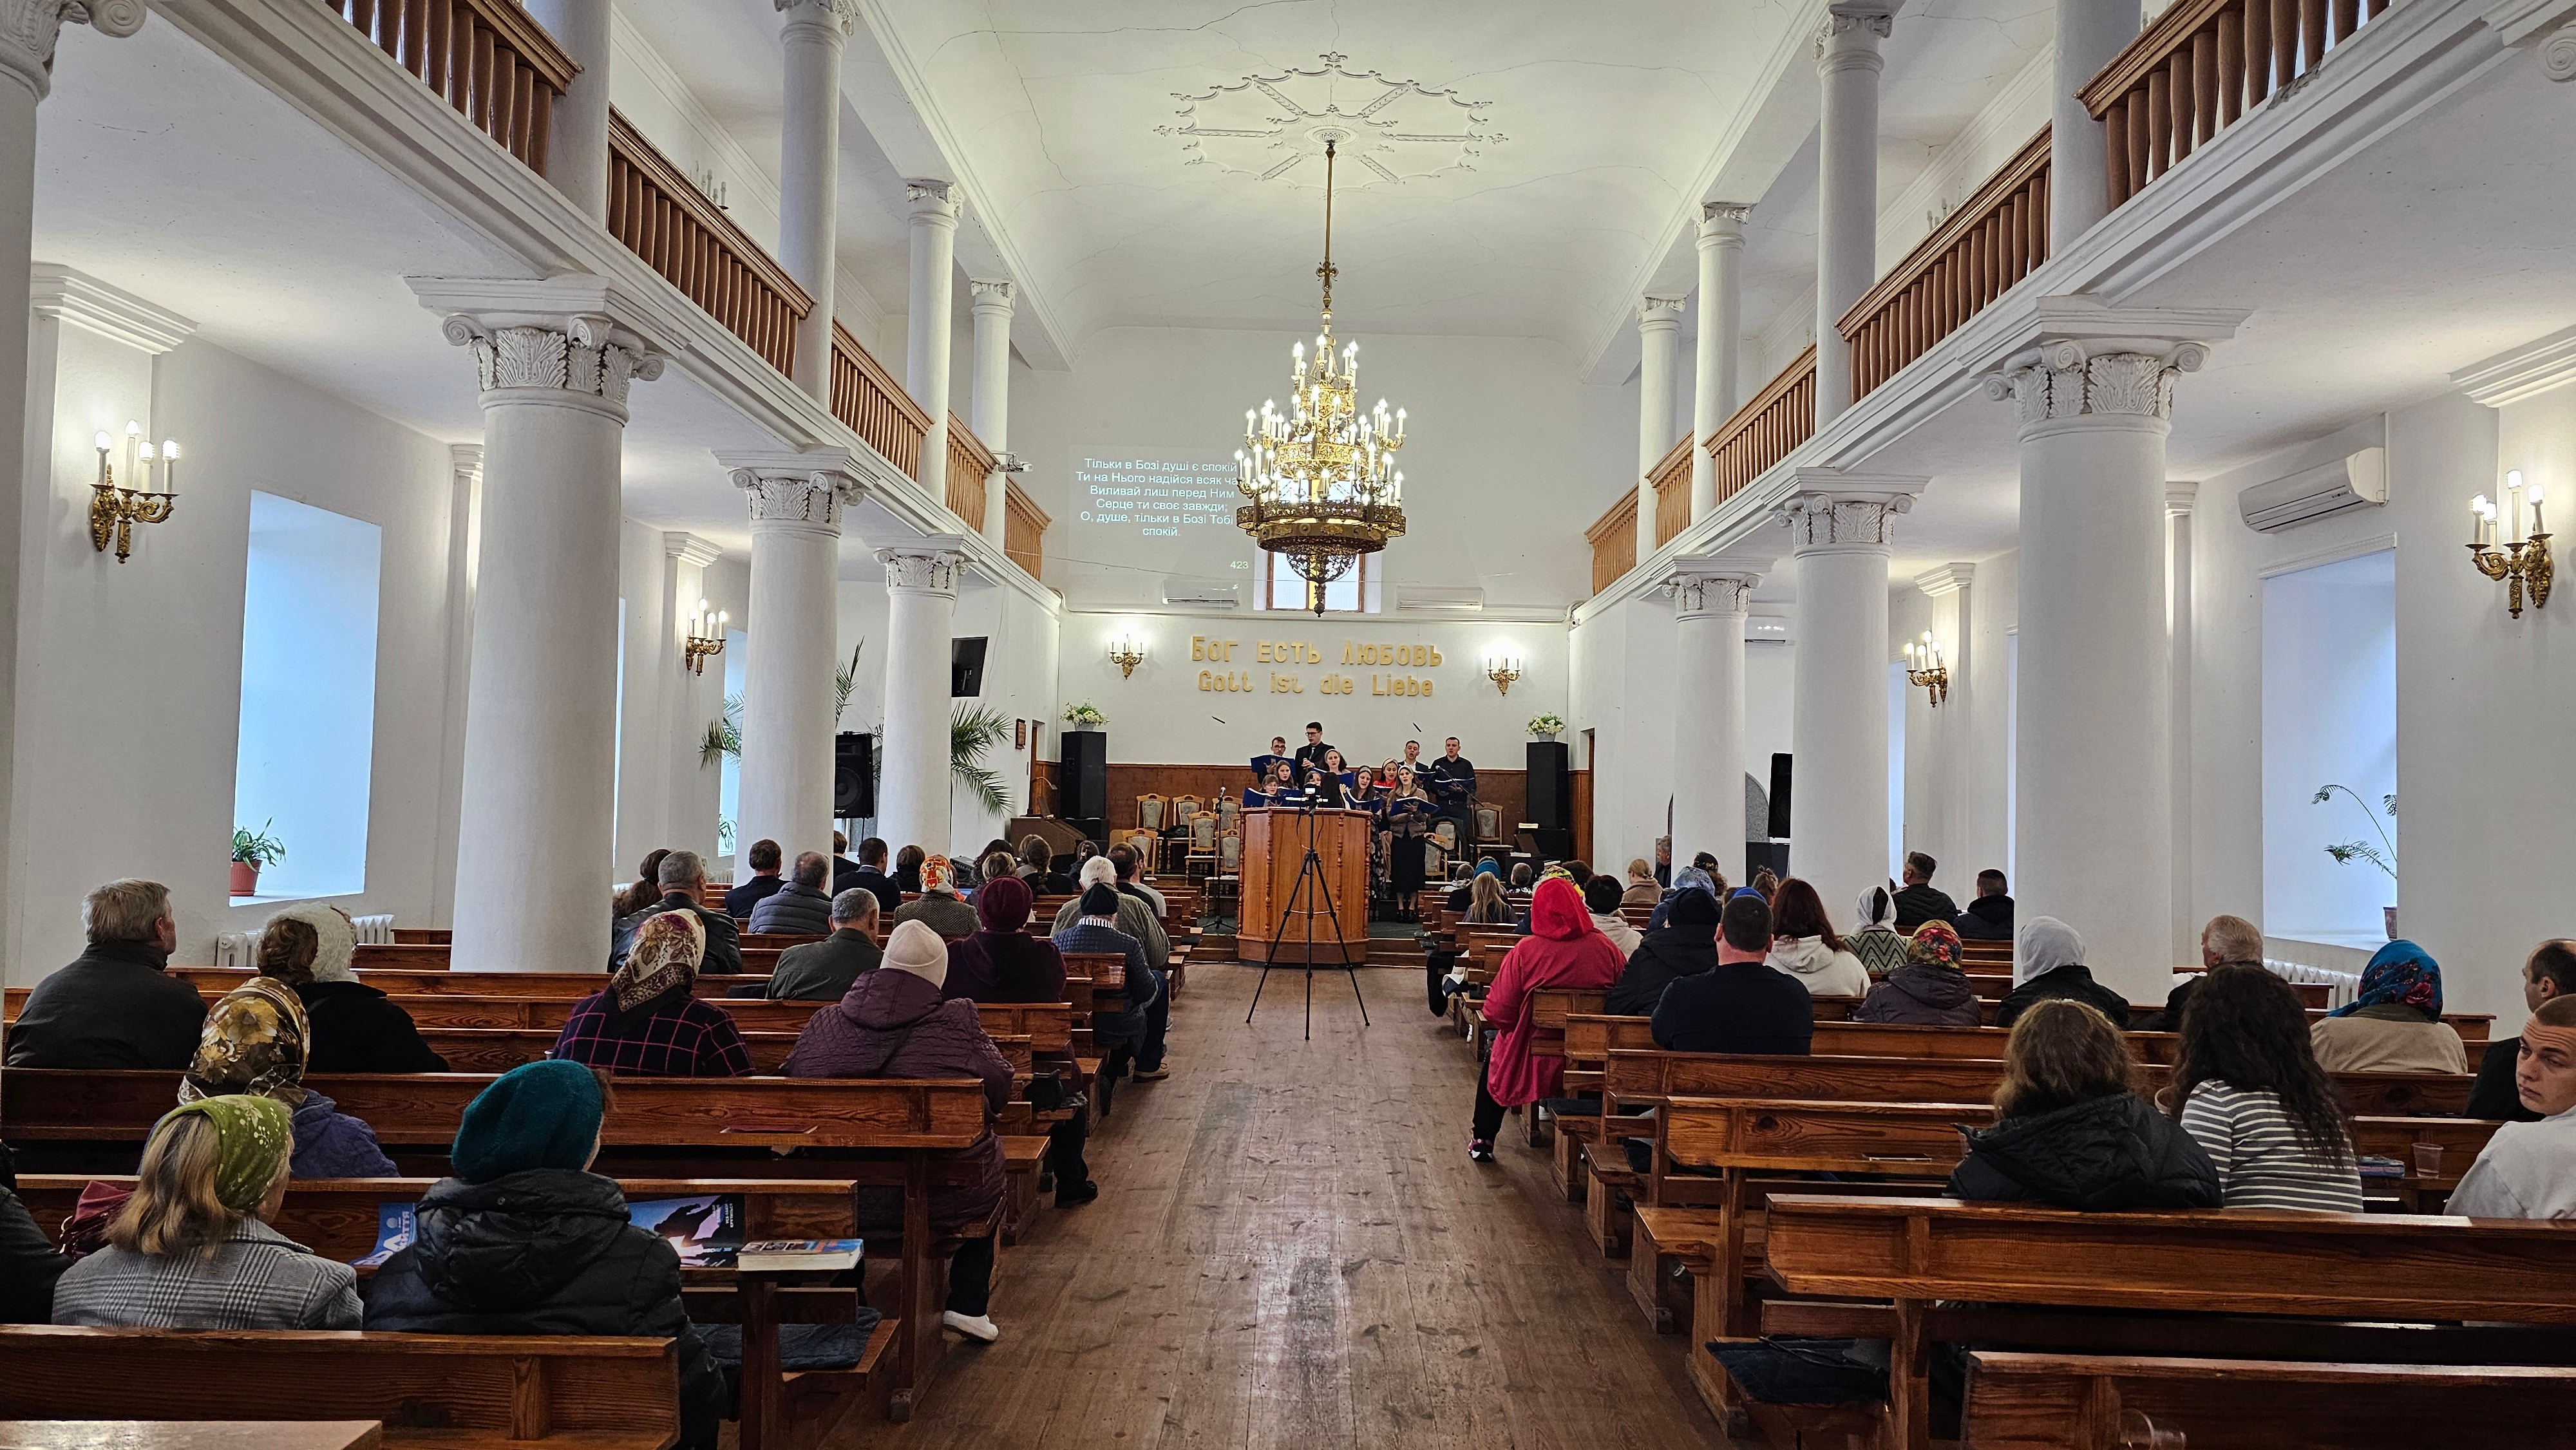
823, 971
1920, 902
871, 873
116, 1005
1990, 916
28, 1264
763, 857
1741, 1004
2550, 973
801, 907
1684, 946
526, 1240
682, 877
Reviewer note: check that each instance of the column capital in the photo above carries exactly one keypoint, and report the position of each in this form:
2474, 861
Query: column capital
1721, 223
1659, 314
2548, 26
800, 492
29, 28
991, 294
2179, 497
1708, 588
839, 16
1946, 579
690, 549
2082, 359
1837, 512
1849, 35
934, 202
926, 565
576, 337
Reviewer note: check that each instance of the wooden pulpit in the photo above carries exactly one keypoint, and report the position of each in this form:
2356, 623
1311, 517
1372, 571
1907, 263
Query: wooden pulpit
1274, 850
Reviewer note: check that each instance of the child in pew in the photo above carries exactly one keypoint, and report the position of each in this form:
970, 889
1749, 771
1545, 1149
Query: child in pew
191, 1248
649, 1021
525, 1239
2248, 1089
2070, 1133
2528, 1170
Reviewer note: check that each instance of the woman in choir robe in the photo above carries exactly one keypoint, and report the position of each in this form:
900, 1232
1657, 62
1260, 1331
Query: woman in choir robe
1279, 790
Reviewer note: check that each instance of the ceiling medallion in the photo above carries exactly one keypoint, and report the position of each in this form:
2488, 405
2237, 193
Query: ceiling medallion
1271, 126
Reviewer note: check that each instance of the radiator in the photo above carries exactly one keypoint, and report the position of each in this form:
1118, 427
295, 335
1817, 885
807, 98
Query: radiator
374, 931
2340, 986
237, 949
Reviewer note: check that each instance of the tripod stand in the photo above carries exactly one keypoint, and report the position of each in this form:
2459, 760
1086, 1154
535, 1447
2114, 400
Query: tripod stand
1310, 875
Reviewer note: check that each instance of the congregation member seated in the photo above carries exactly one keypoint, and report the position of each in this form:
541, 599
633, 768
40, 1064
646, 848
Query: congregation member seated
1764, 882
1642, 889
1920, 901
648, 1022
1037, 867
1135, 913
939, 907
764, 858
899, 1021
2549, 973
2394, 1022
191, 1247
821, 971
1601, 898
801, 907
1692, 878
907, 869
1684, 946
966, 872
29, 1264
525, 1239
1563, 950
354, 1027
1805, 945
1459, 894
1876, 941
1487, 903
871, 874
645, 889
2050, 965
256, 1043
116, 1005
1126, 1033
683, 874
1929, 990
2069, 1133
2248, 1088
998, 864
1739, 1004
1990, 916
1524, 878
2224, 940
1131, 882
2528, 1170
1000, 961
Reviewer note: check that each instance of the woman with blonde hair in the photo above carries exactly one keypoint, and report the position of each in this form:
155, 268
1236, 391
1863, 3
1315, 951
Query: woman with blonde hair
1642, 890
2069, 1132
192, 1248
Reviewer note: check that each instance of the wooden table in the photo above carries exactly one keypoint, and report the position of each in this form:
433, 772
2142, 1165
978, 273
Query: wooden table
191, 1434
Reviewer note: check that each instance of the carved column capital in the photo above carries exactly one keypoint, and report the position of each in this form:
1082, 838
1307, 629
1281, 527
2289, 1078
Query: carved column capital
996, 295
584, 356
2072, 378
29, 29
799, 492
839, 15
923, 566
1659, 314
2548, 26
1700, 588
1833, 511
1721, 223
1850, 35
934, 202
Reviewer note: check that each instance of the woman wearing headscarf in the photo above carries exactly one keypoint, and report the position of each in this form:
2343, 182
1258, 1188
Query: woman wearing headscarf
525, 1239
939, 909
650, 1021
1000, 961
902, 1021
1563, 950
256, 1041
192, 1249
1929, 990
355, 1027
2394, 1023
1684, 946
1879, 945
2050, 964
1805, 945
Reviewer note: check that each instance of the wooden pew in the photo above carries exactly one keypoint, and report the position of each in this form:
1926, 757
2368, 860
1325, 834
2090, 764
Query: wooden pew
455, 1392
2378, 1267
499, 1049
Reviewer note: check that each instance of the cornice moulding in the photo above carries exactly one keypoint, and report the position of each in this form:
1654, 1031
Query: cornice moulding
690, 549
59, 292
2523, 372
1946, 579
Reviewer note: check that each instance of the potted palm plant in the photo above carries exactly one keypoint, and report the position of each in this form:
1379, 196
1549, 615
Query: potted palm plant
251, 851
2383, 856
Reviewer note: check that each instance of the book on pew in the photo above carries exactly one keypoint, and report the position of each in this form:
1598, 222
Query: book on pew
776, 1255
396, 1226
2374, 1166
705, 1228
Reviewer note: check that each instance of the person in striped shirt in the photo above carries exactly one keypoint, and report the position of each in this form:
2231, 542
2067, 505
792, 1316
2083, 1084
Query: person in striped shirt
2247, 1086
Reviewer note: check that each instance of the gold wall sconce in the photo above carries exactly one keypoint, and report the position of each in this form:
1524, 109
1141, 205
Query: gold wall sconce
1502, 670
114, 510
1126, 654
1924, 666
706, 637
2520, 560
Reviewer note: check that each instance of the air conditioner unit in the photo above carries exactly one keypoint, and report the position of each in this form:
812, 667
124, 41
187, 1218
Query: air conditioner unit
2315, 493
1202, 594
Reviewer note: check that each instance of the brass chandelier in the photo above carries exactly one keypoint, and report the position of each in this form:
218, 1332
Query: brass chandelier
1321, 477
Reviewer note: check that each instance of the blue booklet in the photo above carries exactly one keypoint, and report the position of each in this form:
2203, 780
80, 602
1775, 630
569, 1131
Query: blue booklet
706, 1229
396, 1226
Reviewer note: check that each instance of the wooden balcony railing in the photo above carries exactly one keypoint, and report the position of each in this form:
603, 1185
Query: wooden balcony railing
1671, 478
669, 223
1614, 542
1024, 531
1993, 240
968, 461
1763, 431
2199, 67
867, 397
491, 60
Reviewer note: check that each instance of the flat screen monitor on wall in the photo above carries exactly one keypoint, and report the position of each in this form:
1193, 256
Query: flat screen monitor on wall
966, 667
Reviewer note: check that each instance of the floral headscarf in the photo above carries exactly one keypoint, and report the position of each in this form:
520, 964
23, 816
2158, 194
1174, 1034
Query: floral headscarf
936, 875
254, 1042
1935, 944
2400, 974
253, 1138
665, 956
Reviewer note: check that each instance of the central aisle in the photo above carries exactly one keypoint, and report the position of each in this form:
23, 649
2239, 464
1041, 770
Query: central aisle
1292, 1250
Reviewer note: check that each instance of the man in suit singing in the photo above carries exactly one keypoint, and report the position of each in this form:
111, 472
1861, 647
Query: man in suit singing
1310, 756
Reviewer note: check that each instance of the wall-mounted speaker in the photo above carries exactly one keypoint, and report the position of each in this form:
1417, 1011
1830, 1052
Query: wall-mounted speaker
966, 667
1780, 796
854, 777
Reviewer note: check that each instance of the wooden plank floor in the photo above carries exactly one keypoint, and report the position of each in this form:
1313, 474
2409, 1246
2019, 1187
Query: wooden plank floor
1292, 1251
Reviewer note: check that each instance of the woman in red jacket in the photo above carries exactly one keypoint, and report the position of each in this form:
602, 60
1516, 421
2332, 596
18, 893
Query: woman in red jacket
1563, 949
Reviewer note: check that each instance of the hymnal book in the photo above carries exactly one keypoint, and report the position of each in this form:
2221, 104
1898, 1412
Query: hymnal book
396, 1225
774, 1255
2374, 1166
706, 1229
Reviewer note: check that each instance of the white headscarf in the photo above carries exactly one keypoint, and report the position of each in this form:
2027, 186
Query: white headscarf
915, 948
335, 939
1877, 910
2046, 945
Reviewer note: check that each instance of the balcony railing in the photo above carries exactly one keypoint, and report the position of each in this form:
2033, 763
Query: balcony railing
1993, 240
2202, 65
491, 60
1671, 478
669, 223
1614, 542
867, 397
1024, 530
968, 461
1763, 431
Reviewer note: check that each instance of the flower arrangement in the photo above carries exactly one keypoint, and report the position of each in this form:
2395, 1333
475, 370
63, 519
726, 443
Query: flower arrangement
1547, 725
1085, 714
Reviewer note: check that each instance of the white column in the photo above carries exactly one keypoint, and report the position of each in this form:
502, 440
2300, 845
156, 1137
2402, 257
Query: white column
1847, 63
464, 543
679, 796
1841, 525
541, 721
1952, 737
1721, 330
926, 343
1659, 338
577, 146
2089, 34
2093, 733
989, 411
1709, 600
796, 502
921, 601
809, 176
2178, 634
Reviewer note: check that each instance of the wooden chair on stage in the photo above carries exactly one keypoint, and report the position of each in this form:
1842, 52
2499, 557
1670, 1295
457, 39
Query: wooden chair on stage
1151, 811
1229, 815
1145, 843
1202, 858
1489, 824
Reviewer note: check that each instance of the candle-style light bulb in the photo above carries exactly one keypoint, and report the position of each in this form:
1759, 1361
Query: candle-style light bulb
102, 440
723, 619
169, 465
133, 429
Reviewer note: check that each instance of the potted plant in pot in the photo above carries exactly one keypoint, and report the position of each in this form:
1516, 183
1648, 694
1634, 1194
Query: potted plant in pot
251, 851
1546, 727
2383, 856
1085, 716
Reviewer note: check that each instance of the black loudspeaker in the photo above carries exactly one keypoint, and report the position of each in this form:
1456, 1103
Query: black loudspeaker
1758, 854
966, 668
854, 777
1551, 786
1779, 797
1082, 776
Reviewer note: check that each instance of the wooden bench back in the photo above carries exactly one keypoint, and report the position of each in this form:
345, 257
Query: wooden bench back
215, 981
499, 1049
1769, 1134
1633, 1075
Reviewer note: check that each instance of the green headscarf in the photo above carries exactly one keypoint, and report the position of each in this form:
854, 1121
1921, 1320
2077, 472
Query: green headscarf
253, 1138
